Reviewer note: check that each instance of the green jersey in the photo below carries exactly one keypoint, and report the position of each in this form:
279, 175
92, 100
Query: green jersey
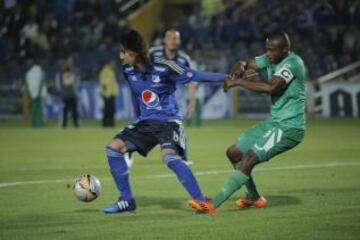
288, 107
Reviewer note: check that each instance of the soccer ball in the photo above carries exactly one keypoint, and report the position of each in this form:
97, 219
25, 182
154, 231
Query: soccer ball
86, 187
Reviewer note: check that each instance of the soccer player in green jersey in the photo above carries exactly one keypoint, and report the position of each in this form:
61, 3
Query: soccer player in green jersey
284, 128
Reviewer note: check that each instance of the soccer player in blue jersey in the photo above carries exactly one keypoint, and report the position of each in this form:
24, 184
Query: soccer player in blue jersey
153, 85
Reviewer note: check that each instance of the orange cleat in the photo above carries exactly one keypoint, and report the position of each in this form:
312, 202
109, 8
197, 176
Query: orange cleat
205, 206
245, 202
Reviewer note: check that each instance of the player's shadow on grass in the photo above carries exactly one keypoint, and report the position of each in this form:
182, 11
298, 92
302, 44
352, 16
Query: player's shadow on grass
166, 203
87, 210
275, 201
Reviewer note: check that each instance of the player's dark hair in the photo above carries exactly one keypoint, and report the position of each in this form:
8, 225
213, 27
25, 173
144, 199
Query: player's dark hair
132, 40
282, 38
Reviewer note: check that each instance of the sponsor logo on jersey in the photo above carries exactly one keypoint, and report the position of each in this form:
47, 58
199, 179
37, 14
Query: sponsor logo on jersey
150, 99
155, 78
159, 69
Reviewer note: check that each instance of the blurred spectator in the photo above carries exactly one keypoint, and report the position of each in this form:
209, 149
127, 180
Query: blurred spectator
67, 84
320, 31
355, 13
351, 41
50, 28
342, 14
36, 87
300, 18
31, 29
324, 14
63, 10
40, 41
109, 91
9, 3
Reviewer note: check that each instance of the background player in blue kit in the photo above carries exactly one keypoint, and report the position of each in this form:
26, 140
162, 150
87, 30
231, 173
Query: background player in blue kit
153, 85
170, 51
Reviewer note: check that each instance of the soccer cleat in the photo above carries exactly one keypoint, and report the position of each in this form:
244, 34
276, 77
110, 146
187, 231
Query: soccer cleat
120, 206
205, 206
245, 202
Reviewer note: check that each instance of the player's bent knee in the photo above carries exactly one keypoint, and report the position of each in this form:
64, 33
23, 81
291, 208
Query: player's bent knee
248, 162
167, 151
117, 144
233, 154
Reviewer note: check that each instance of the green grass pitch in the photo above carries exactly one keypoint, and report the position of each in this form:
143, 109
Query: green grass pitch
313, 190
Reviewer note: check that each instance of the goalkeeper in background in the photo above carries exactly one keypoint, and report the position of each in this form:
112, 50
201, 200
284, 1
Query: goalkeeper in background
283, 130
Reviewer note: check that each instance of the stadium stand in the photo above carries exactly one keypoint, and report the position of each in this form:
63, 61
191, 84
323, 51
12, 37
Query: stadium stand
52, 30
325, 33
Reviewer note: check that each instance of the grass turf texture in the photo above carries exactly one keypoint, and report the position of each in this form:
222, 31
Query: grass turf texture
309, 197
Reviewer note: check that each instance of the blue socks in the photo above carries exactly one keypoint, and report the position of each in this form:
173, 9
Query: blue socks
120, 173
184, 174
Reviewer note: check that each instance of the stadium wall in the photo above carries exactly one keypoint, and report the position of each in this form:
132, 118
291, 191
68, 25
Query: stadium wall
340, 99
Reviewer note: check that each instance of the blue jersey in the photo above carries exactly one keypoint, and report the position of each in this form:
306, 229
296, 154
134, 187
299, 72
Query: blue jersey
154, 89
181, 57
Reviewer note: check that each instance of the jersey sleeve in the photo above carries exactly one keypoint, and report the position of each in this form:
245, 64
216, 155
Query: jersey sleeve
262, 61
190, 75
176, 72
184, 76
287, 71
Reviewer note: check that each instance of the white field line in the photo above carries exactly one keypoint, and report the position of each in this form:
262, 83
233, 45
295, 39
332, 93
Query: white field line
201, 173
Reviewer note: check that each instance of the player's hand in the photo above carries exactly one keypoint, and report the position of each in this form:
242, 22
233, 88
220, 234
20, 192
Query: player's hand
237, 69
250, 74
229, 82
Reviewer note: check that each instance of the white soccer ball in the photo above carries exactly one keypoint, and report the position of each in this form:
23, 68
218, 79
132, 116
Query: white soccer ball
86, 188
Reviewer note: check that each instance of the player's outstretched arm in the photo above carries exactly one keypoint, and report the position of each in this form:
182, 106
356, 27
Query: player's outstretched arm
200, 76
185, 75
271, 87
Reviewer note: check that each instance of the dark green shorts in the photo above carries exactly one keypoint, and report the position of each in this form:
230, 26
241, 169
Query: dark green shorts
268, 140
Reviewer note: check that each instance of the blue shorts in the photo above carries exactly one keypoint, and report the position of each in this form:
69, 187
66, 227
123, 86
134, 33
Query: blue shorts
145, 135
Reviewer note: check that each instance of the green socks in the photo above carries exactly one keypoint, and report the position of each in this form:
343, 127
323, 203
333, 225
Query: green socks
253, 194
251, 188
234, 183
